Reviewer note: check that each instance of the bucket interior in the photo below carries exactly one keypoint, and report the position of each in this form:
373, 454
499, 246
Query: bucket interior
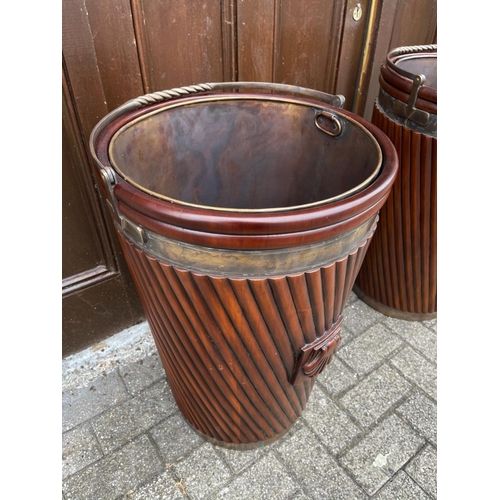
421, 65
244, 154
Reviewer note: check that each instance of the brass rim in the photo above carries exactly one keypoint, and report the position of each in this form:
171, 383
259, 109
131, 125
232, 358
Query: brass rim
198, 100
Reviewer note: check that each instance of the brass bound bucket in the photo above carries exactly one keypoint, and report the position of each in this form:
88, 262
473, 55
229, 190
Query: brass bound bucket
399, 274
244, 211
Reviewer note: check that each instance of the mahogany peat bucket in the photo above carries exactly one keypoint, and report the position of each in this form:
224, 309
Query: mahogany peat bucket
244, 211
399, 274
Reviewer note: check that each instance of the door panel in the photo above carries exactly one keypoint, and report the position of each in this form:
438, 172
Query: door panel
352, 51
83, 253
113, 39
183, 42
256, 31
97, 293
303, 44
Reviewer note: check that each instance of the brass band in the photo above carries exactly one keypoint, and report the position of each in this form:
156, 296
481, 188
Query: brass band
396, 111
232, 263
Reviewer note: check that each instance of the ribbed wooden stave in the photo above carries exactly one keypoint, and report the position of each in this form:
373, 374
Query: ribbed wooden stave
264, 297
399, 273
222, 390
181, 395
228, 345
183, 375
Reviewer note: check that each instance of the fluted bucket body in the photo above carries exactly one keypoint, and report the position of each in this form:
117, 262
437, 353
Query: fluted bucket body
244, 220
399, 274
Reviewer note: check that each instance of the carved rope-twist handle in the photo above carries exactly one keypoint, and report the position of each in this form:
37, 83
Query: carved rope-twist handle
165, 95
410, 49
335, 100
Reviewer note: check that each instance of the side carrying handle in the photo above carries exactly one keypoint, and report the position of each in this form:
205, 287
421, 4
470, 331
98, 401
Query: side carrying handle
328, 123
135, 232
314, 357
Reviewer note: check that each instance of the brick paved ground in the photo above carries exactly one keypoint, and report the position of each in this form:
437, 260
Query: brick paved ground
368, 432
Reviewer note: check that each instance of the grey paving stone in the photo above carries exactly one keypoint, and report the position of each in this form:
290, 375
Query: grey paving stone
202, 473
421, 413
132, 344
358, 317
115, 474
423, 470
265, 480
316, 470
337, 377
369, 349
328, 422
296, 427
431, 323
402, 487
417, 369
347, 335
137, 472
374, 395
122, 423
79, 449
352, 298
381, 453
142, 373
162, 487
175, 437
417, 335
238, 460
86, 402
298, 496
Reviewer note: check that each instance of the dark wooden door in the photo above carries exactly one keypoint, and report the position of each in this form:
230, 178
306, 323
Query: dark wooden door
98, 298
114, 50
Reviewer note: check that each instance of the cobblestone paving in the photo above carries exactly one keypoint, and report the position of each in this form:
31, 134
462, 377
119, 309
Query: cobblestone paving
368, 431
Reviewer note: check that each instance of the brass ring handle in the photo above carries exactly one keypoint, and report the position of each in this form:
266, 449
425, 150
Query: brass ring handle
324, 126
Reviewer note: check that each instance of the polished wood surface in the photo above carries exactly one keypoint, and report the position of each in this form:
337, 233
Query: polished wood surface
230, 346
399, 276
241, 343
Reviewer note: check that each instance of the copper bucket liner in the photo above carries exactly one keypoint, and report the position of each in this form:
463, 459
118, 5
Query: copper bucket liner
244, 211
399, 274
